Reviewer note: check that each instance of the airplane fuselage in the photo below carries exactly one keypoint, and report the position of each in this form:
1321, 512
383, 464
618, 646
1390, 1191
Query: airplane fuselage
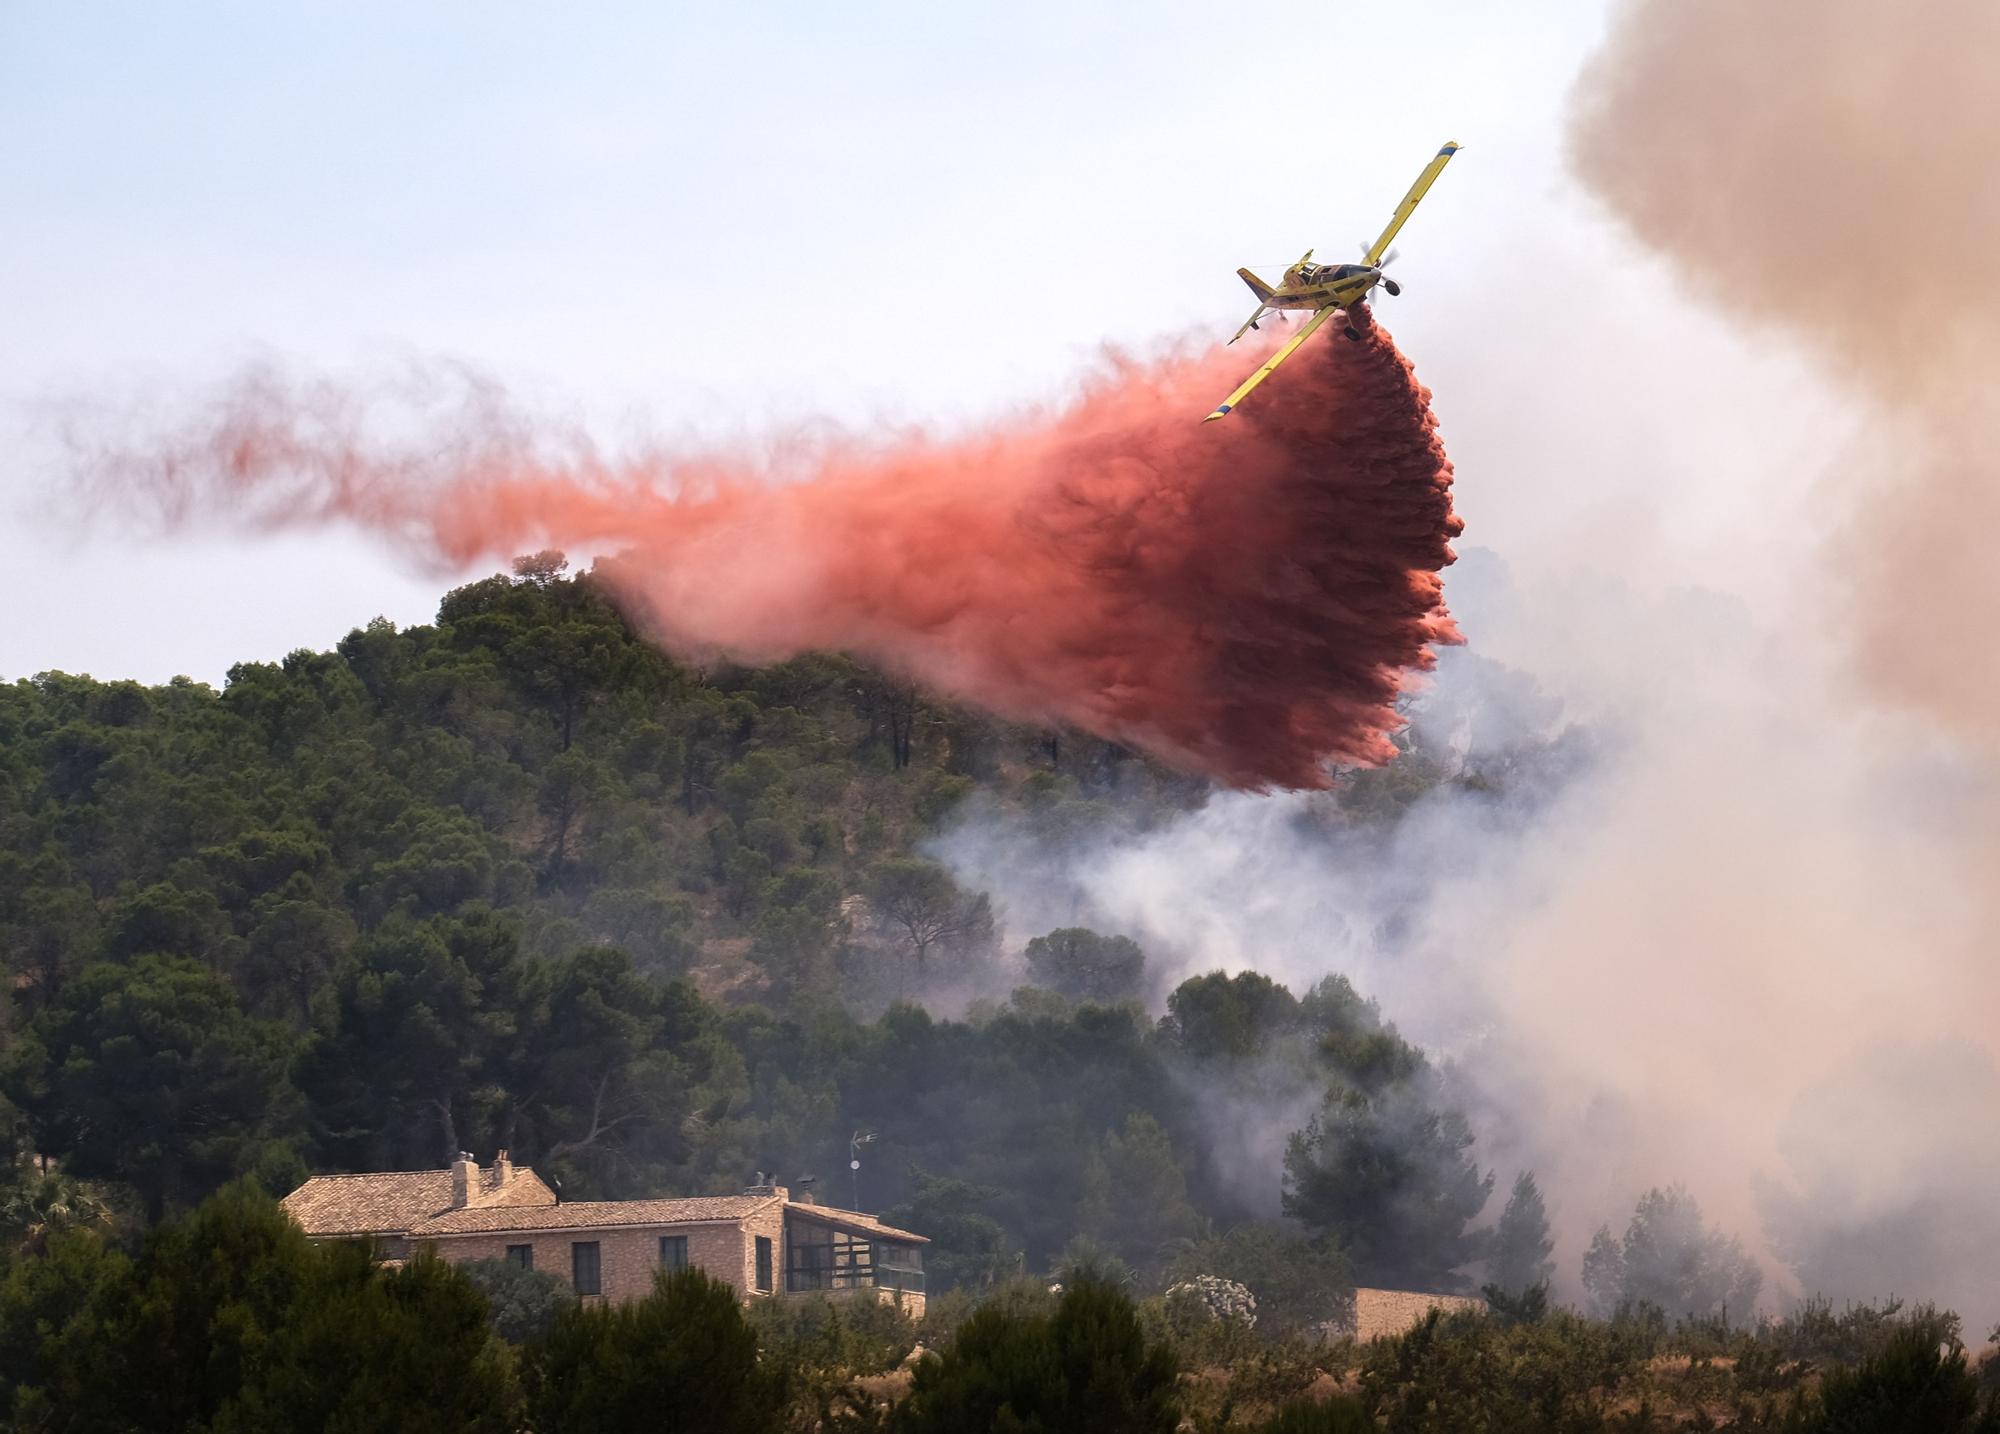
1317, 286
1329, 289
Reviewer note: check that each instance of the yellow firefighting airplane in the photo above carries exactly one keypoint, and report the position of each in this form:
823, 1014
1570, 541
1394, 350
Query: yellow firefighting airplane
1328, 289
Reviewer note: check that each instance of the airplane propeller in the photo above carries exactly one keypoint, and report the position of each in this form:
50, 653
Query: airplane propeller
1389, 285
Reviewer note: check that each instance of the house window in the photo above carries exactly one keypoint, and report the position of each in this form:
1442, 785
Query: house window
764, 1263
673, 1252
522, 1255
584, 1270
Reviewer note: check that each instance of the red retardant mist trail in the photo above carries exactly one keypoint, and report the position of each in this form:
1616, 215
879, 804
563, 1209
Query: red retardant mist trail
1242, 599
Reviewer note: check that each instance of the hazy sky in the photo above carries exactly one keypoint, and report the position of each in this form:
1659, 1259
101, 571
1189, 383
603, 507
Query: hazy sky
716, 220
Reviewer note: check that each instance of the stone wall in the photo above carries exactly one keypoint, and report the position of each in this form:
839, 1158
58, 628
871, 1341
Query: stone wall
1385, 1312
628, 1255
770, 1223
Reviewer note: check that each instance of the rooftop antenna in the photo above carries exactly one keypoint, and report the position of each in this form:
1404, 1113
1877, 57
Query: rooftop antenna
854, 1144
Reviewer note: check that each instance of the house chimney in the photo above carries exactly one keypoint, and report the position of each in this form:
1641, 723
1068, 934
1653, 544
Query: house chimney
464, 1180
503, 1169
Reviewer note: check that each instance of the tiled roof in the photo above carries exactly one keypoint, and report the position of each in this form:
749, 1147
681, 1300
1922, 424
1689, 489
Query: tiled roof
393, 1201
854, 1222
587, 1214
418, 1202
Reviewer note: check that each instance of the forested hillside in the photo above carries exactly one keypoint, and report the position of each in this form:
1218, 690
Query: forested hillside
518, 880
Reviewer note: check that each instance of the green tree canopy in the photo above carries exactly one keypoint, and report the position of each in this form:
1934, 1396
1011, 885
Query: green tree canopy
1518, 1258
1228, 1018
968, 1246
924, 907
230, 1319
151, 1073
1392, 1179
1084, 966
1135, 1200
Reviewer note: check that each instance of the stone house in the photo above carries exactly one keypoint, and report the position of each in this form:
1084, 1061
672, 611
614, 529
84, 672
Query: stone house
762, 1241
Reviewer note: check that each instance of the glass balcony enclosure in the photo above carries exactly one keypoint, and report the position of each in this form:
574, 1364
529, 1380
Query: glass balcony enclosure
824, 1257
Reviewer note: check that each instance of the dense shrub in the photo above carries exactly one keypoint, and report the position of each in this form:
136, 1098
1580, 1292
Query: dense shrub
1087, 1368
850, 1336
229, 1319
1913, 1385
1330, 1416
1460, 1371
682, 1358
522, 1304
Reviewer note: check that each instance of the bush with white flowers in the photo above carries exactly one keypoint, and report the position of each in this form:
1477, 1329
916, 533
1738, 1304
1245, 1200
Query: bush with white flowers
1215, 1297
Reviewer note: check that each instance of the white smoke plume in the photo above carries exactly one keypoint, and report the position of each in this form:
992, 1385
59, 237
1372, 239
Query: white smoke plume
1743, 934
1708, 932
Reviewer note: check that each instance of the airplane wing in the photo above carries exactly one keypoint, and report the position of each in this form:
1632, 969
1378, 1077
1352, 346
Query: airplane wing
1271, 364
1249, 323
1409, 204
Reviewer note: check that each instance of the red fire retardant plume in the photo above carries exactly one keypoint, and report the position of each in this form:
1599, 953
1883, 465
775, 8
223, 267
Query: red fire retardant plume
1243, 599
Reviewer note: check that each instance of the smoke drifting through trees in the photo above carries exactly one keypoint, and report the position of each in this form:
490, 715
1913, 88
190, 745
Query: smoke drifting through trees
1777, 167
1242, 600
1748, 945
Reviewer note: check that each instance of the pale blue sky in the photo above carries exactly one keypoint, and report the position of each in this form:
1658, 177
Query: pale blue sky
713, 219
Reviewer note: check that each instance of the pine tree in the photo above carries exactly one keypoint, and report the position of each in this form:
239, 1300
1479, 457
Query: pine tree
1670, 1258
1521, 1243
1392, 1177
1135, 1193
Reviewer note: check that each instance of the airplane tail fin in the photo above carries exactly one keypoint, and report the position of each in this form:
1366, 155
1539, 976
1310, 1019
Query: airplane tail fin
1262, 290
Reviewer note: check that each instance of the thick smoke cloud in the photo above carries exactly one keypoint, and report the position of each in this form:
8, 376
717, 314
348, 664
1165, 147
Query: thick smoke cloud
1749, 944
1665, 920
1242, 599
1820, 180
1821, 174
